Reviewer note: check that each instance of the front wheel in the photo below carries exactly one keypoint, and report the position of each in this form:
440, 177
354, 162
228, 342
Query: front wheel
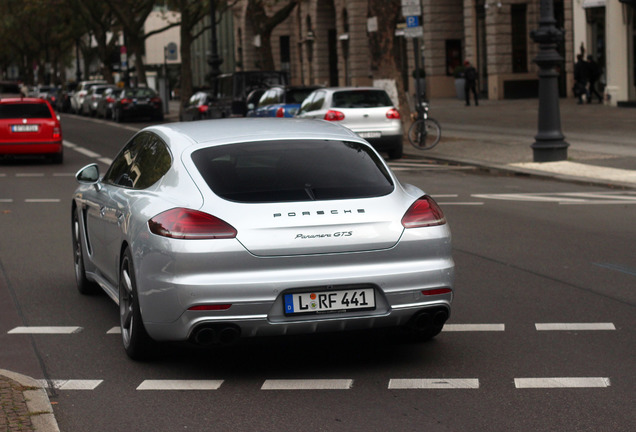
424, 134
137, 343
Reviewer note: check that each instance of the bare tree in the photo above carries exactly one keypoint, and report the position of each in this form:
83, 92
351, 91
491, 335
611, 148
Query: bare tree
385, 58
132, 15
264, 25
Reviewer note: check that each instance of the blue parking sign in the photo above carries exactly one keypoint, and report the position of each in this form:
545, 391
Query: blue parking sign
412, 21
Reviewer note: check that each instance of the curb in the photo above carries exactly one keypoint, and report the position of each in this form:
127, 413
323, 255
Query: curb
37, 401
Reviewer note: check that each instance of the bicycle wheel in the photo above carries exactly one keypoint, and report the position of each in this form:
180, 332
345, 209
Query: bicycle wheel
425, 134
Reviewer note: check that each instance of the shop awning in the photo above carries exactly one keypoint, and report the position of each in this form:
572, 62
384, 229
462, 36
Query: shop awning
593, 3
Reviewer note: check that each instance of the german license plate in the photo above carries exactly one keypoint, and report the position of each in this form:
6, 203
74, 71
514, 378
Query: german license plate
369, 134
329, 301
25, 128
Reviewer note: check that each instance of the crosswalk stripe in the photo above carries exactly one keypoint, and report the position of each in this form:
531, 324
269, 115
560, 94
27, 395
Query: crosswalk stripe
180, 385
308, 384
594, 382
45, 330
433, 384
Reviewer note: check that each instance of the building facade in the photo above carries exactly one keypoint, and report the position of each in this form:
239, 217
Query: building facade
326, 42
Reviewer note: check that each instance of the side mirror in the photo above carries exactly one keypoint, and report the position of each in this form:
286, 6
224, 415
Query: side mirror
88, 175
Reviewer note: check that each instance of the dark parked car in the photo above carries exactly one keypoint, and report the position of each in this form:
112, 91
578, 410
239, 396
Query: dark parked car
233, 89
282, 101
10, 89
197, 107
137, 103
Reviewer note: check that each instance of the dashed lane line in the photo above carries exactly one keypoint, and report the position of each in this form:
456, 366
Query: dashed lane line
180, 385
433, 384
473, 327
71, 384
574, 326
45, 330
545, 383
308, 384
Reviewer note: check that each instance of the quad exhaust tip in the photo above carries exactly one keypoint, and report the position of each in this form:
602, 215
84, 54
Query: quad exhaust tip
216, 334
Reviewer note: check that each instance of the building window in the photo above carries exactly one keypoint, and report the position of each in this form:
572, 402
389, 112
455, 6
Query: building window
453, 55
519, 38
285, 53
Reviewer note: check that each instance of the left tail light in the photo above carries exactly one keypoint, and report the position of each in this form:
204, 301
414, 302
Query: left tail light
423, 213
393, 114
187, 224
203, 109
57, 132
280, 112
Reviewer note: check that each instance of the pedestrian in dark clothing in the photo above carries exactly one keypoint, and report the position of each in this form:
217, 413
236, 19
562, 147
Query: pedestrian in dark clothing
470, 75
595, 75
581, 78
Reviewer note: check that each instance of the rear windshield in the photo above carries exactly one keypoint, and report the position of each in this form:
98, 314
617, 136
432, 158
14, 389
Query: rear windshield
140, 92
24, 110
297, 96
361, 99
285, 171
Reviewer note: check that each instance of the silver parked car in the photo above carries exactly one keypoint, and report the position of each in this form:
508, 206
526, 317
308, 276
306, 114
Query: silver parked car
368, 111
214, 230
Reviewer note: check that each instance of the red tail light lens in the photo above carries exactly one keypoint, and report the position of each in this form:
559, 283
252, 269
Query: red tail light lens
202, 109
334, 115
125, 101
110, 99
156, 100
393, 114
57, 133
210, 307
280, 112
424, 212
181, 223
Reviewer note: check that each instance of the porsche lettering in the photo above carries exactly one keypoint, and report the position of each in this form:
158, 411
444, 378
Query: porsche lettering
319, 212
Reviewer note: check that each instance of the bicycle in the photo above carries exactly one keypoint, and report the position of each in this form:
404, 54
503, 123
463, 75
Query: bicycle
425, 132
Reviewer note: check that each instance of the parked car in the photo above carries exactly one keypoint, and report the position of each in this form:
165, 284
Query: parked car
281, 101
10, 89
367, 111
63, 101
230, 100
105, 103
252, 100
215, 230
77, 98
197, 107
140, 102
92, 98
29, 126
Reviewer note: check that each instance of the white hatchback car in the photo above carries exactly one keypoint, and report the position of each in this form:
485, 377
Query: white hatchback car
367, 111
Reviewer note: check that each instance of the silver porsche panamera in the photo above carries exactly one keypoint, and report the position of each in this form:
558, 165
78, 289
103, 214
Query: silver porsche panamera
214, 230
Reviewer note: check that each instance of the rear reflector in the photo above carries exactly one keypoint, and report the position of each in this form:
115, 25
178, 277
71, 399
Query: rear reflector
423, 213
181, 223
436, 291
210, 307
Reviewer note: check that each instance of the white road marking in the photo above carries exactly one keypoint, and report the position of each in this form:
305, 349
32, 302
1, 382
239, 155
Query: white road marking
593, 382
308, 384
433, 384
6, 200
473, 327
105, 160
567, 198
445, 196
29, 175
467, 203
42, 200
71, 384
45, 330
86, 152
574, 326
114, 330
63, 174
180, 385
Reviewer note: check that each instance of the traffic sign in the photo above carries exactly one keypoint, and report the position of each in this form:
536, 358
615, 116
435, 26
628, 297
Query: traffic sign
412, 21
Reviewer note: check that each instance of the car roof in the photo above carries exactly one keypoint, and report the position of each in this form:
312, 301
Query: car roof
25, 100
226, 131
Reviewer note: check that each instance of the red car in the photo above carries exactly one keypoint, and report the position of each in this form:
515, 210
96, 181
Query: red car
29, 126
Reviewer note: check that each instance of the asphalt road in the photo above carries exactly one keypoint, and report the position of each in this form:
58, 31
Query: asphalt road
542, 334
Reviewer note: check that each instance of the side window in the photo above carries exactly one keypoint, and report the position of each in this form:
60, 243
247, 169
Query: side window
141, 163
318, 101
306, 105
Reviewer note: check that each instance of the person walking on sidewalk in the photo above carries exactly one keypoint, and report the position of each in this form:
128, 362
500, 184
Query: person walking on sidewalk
595, 75
581, 78
470, 75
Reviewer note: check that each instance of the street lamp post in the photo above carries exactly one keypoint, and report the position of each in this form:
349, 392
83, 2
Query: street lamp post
549, 142
214, 60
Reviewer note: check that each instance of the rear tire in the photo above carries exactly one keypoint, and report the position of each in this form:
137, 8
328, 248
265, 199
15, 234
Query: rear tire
137, 343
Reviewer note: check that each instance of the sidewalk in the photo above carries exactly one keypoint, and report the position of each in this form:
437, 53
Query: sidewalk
24, 405
497, 135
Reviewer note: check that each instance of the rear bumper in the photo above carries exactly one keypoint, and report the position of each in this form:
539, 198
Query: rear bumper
386, 142
26, 148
